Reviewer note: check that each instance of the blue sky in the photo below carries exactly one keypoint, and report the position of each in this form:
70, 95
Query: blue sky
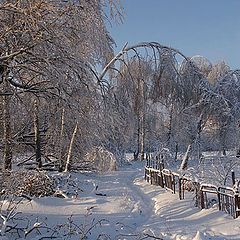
196, 27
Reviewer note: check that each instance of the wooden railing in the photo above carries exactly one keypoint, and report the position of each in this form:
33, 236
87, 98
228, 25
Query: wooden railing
227, 198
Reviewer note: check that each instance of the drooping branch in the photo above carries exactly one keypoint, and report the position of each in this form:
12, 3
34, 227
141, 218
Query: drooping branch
126, 49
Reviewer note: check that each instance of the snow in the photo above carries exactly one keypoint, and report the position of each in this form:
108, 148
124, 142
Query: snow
122, 205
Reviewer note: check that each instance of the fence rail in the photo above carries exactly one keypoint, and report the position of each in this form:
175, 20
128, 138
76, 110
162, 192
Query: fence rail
227, 198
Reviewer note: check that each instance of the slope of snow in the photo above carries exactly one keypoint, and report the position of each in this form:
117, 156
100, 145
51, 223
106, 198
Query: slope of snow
121, 205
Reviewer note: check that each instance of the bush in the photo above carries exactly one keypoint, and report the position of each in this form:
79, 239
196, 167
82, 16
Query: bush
101, 159
30, 183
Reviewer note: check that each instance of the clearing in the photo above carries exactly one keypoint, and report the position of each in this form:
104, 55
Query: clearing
121, 205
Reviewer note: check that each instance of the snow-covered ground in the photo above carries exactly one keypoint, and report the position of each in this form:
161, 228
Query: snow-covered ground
121, 205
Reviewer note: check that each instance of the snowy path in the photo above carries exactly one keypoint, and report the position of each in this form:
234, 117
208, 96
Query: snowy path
134, 208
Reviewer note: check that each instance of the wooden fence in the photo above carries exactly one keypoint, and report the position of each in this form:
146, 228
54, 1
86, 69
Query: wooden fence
227, 198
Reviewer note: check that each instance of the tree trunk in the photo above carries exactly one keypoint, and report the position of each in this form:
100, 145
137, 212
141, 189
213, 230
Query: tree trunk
7, 151
135, 156
136, 153
142, 137
7, 147
223, 133
140, 113
224, 152
169, 134
37, 136
68, 165
61, 164
184, 163
176, 152
142, 119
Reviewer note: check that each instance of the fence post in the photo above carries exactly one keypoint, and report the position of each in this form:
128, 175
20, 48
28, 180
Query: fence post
237, 204
173, 182
145, 176
202, 204
161, 177
180, 188
219, 200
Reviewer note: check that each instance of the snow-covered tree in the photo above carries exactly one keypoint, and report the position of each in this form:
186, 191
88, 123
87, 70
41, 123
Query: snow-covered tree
50, 49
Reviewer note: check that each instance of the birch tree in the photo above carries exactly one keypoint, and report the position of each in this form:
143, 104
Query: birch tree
50, 49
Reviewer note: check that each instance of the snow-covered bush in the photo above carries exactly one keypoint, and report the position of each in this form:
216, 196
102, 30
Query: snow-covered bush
101, 159
67, 185
30, 183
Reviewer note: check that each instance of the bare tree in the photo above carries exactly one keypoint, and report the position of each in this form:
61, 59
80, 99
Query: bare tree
218, 71
50, 49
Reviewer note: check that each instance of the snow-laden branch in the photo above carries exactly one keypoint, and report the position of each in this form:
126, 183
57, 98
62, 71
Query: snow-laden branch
126, 49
